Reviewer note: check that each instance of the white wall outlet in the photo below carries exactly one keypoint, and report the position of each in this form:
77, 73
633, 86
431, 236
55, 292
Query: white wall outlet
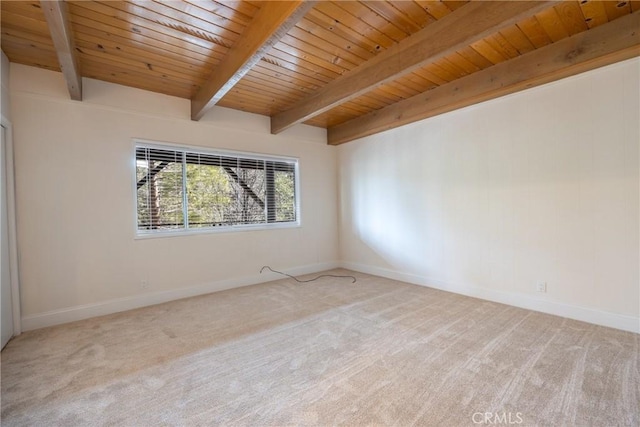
541, 287
144, 284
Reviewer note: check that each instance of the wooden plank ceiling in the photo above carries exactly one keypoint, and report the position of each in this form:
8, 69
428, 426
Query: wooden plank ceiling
353, 67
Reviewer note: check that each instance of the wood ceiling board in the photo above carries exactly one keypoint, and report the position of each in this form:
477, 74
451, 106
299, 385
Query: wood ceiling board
165, 15
378, 96
127, 78
268, 26
44, 60
572, 17
107, 60
142, 26
500, 44
552, 25
149, 50
143, 54
240, 106
518, 39
325, 121
305, 65
327, 56
28, 9
616, 9
266, 98
344, 19
259, 74
318, 65
393, 15
440, 73
474, 57
376, 99
197, 16
352, 108
421, 82
603, 45
484, 48
426, 73
318, 122
383, 94
104, 66
368, 102
42, 44
335, 51
290, 82
89, 22
412, 10
238, 11
374, 20
276, 72
449, 68
36, 52
260, 104
9, 32
304, 79
413, 83
284, 94
441, 38
260, 99
594, 13
96, 65
462, 63
147, 12
535, 32
454, 5
339, 114
27, 24
358, 52
436, 9
349, 110
349, 35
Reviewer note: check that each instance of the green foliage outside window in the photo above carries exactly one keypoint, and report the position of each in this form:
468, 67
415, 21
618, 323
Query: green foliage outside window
213, 190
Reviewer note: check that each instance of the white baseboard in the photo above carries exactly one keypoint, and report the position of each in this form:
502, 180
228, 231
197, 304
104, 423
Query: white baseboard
80, 312
589, 315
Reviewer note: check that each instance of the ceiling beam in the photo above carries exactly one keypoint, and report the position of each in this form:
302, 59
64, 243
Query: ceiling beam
612, 42
459, 29
270, 24
55, 12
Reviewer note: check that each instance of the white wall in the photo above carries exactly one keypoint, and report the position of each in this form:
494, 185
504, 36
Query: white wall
542, 185
5, 109
75, 200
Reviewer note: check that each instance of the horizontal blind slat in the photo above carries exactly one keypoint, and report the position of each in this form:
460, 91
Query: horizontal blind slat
220, 189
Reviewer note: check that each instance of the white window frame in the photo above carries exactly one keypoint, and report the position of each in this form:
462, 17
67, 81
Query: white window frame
145, 234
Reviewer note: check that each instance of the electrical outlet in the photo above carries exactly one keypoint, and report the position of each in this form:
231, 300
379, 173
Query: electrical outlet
144, 284
541, 287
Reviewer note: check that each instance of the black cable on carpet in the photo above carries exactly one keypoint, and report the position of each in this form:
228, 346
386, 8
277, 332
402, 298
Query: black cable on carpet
310, 280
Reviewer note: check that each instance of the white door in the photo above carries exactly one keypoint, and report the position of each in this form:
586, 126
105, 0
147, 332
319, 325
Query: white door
6, 301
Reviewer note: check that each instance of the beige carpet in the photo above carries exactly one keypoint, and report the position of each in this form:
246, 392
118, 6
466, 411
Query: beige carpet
376, 352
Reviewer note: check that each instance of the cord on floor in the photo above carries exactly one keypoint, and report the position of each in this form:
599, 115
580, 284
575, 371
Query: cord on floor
310, 280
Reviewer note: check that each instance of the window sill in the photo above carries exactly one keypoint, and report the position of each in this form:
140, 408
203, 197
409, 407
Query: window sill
214, 230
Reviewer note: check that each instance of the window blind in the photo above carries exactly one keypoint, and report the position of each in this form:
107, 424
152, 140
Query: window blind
183, 189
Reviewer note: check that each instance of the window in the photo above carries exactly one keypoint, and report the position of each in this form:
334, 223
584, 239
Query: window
181, 189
